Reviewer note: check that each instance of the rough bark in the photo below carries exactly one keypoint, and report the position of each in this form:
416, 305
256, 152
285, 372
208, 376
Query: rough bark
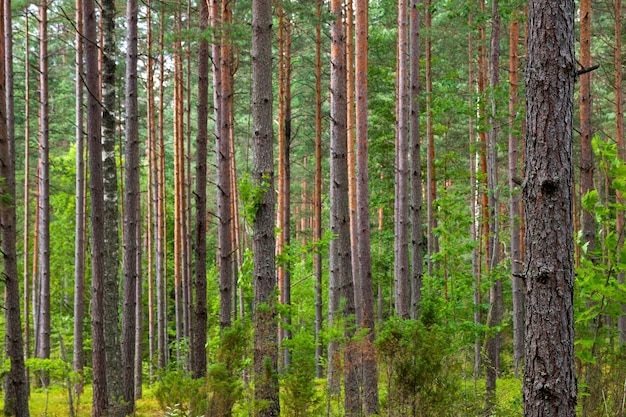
200, 317
115, 381
364, 277
266, 389
401, 207
417, 238
131, 210
431, 183
15, 384
79, 238
96, 185
549, 384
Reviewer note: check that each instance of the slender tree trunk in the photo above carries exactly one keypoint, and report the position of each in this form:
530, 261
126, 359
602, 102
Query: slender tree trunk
115, 382
401, 215
431, 184
79, 238
266, 387
514, 200
199, 327
364, 277
27, 228
621, 148
317, 199
475, 232
161, 271
43, 322
131, 209
493, 341
152, 190
96, 185
549, 384
15, 384
417, 238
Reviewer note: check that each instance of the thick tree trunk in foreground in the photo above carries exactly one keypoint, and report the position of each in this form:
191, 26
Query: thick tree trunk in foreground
266, 387
549, 381
15, 386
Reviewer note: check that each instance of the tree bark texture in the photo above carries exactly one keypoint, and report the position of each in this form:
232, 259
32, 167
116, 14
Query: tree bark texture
364, 271
131, 210
401, 206
15, 384
96, 185
200, 316
549, 385
264, 273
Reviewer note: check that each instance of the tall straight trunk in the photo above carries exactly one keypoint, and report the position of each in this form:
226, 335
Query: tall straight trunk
199, 324
224, 191
351, 151
317, 199
621, 148
266, 387
139, 322
284, 171
364, 277
131, 209
493, 342
115, 381
340, 268
42, 345
179, 191
475, 232
514, 200
96, 185
15, 384
151, 192
401, 197
79, 237
27, 228
431, 184
417, 239
549, 384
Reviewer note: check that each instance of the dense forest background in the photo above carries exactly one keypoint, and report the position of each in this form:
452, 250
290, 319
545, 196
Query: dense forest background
397, 285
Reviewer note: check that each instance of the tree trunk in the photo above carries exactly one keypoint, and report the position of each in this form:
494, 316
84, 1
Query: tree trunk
549, 382
96, 185
115, 381
621, 148
514, 200
27, 227
131, 210
364, 277
317, 199
401, 215
431, 183
79, 238
494, 317
200, 317
266, 387
417, 238
15, 384
42, 345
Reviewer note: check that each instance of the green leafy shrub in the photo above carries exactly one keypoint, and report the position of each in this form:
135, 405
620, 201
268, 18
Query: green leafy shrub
420, 368
178, 393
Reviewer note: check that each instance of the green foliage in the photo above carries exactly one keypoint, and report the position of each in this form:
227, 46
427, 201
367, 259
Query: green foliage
178, 391
300, 395
252, 195
419, 361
